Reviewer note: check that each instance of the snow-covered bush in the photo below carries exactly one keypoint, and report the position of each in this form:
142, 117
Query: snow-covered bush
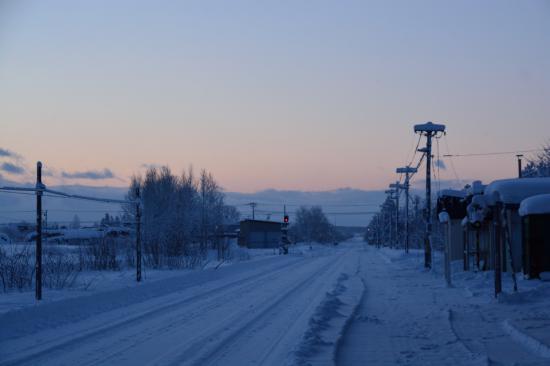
101, 254
16, 267
59, 268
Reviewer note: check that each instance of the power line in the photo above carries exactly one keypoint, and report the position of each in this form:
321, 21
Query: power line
451, 160
492, 153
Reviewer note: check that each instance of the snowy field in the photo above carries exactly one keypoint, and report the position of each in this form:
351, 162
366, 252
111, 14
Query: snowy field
348, 305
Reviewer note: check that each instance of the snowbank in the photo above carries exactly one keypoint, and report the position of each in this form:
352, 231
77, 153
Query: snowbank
513, 191
329, 322
476, 188
535, 205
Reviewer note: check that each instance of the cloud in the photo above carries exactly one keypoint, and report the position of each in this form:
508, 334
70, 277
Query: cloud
90, 174
6, 153
440, 164
151, 166
12, 168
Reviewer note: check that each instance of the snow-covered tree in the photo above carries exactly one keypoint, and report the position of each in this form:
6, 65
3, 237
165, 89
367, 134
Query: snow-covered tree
312, 225
180, 215
539, 166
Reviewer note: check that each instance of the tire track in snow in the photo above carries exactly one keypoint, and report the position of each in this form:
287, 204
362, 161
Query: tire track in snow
71, 341
210, 347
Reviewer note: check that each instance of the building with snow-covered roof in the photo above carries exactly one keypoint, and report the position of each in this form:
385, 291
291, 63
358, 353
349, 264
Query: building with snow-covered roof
504, 198
535, 214
260, 234
451, 209
513, 191
472, 226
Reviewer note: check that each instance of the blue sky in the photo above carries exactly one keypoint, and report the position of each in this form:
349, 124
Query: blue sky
286, 94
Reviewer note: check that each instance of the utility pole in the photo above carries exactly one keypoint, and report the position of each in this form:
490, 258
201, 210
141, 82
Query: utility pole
396, 186
407, 171
38, 264
429, 130
390, 193
520, 173
138, 235
253, 205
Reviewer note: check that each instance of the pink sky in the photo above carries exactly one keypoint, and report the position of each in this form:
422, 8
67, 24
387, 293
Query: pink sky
309, 96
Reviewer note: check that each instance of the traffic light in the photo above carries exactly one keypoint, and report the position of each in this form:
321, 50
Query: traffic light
285, 219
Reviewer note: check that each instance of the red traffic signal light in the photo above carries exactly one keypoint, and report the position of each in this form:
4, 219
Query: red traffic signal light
285, 219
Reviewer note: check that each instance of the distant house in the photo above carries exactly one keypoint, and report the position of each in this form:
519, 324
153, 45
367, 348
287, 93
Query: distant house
260, 234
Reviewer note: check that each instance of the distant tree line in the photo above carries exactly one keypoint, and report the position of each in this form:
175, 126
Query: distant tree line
383, 230
182, 216
312, 225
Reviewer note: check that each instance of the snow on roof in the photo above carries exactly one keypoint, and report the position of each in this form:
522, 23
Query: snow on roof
452, 193
429, 126
81, 234
477, 209
476, 188
535, 205
513, 191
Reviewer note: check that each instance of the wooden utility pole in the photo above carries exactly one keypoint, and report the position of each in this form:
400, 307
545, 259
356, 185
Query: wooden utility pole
38, 263
497, 248
390, 193
253, 205
138, 235
429, 130
407, 171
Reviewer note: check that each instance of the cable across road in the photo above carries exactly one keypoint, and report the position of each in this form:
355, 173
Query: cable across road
492, 153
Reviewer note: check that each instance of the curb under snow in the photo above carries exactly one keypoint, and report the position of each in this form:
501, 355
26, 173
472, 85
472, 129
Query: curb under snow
526, 340
329, 322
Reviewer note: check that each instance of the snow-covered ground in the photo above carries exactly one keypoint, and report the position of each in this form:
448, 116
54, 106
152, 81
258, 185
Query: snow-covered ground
253, 312
348, 304
408, 316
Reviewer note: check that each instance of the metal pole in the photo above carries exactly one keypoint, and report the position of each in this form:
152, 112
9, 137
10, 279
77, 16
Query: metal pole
428, 234
38, 263
138, 235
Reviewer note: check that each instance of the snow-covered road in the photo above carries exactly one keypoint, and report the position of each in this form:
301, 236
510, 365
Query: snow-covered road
249, 313
349, 305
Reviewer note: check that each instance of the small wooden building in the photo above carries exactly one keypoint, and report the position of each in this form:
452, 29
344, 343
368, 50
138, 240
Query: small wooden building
504, 197
535, 214
452, 202
260, 234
